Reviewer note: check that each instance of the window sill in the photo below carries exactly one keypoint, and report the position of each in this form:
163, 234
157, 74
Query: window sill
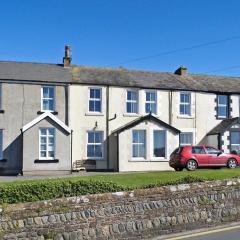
52, 112
222, 118
95, 158
149, 161
94, 114
46, 161
185, 117
131, 115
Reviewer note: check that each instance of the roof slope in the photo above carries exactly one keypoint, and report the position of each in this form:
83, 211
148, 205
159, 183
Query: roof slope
43, 116
223, 126
27, 71
157, 80
148, 117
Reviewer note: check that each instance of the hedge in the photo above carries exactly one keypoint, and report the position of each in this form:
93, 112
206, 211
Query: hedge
49, 189
43, 190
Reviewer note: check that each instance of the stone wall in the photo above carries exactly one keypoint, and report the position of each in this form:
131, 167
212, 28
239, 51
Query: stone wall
125, 215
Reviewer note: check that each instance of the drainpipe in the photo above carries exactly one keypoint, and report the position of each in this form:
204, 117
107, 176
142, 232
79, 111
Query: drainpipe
195, 120
71, 152
118, 152
170, 107
107, 125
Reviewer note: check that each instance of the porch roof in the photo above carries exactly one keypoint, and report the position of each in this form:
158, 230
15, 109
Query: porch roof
223, 126
148, 117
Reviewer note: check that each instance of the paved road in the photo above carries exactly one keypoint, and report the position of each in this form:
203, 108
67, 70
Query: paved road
226, 233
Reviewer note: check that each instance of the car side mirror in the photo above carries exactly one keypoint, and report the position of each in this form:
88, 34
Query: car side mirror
219, 153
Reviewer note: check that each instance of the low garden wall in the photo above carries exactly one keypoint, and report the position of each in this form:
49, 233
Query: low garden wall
139, 214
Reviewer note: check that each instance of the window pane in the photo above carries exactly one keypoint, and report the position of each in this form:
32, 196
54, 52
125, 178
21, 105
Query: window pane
186, 138
51, 92
91, 137
45, 92
51, 131
222, 111
43, 154
91, 106
92, 95
98, 150
222, 99
182, 109
43, 139
97, 106
147, 107
97, 93
135, 136
135, 150
159, 143
134, 107
51, 154
43, 147
50, 105
148, 97
45, 105
142, 151
235, 137
90, 150
129, 95
43, 131
98, 137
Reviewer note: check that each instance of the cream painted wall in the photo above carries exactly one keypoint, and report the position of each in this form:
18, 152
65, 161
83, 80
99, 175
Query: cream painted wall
81, 121
201, 121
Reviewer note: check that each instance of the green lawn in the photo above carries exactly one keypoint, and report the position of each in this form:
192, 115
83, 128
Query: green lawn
133, 180
43, 189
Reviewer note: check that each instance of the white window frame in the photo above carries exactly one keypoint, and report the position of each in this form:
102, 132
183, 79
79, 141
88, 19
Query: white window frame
42, 98
132, 143
1, 144
223, 105
94, 99
95, 158
151, 102
132, 101
47, 145
186, 144
185, 103
152, 144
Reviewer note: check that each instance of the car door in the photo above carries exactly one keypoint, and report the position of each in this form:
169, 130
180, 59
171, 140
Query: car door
199, 153
216, 158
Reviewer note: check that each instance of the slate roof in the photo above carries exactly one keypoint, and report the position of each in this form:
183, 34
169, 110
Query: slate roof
148, 117
224, 125
27, 71
156, 80
56, 73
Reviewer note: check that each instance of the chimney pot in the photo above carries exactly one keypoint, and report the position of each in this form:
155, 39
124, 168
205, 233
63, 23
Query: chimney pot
67, 57
181, 71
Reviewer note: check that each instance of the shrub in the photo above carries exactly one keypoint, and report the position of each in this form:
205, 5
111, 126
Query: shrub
49, 189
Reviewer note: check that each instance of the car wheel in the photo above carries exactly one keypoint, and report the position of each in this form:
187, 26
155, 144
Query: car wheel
179, 169
232, 163
191, 165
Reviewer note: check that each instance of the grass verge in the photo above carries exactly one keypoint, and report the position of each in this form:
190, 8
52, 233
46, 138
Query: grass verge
33, 190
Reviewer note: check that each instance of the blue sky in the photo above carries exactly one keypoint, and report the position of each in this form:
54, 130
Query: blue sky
110, 32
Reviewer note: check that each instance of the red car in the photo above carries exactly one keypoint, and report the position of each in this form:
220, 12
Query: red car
193, 157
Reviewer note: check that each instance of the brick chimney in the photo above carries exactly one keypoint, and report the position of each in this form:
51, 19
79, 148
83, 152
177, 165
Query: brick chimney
67, 57
181, 71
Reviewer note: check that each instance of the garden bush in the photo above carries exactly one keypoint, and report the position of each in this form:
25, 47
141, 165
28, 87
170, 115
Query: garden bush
49, 189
